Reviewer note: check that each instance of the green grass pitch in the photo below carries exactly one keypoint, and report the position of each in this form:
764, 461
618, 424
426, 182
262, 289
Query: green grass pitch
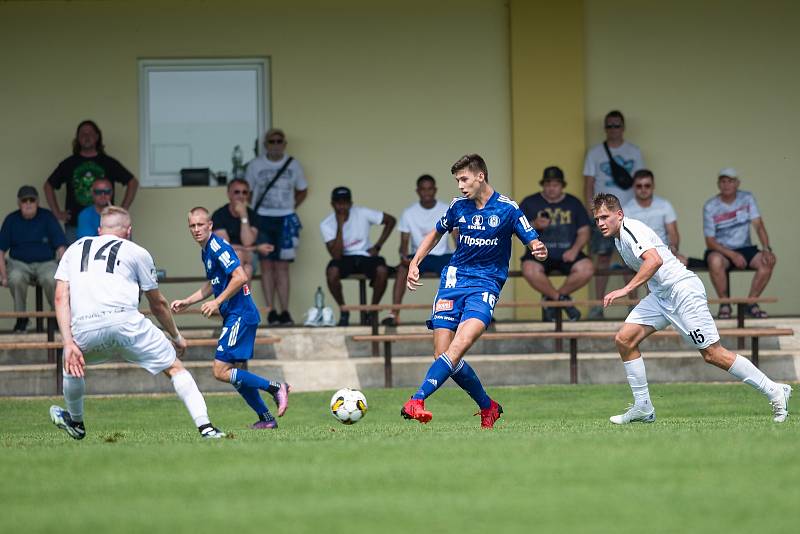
713, 462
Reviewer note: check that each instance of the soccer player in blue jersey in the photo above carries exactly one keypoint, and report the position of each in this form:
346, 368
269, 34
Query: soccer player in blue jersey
470, 284
228, 283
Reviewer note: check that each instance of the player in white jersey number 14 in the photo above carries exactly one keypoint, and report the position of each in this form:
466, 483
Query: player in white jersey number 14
677, 297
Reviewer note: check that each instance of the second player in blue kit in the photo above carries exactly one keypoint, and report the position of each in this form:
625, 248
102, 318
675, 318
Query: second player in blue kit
470, 285
227, 282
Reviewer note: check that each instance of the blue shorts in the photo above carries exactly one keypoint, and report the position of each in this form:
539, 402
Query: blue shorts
455, 305
237, 340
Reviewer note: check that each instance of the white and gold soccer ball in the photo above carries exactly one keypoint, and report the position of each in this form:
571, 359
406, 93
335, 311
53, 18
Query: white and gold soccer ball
348, 406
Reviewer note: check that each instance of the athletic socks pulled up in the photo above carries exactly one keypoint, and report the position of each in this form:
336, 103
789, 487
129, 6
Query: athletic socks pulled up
637, 378
438, 373
187, 391
466, 378
253, 399
240, 377
744, 370
74, 389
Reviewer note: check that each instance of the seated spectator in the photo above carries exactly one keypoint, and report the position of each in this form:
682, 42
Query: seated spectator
346, 234
726, 224
416, 222
565, 228
36, 242
237, 224
89, 217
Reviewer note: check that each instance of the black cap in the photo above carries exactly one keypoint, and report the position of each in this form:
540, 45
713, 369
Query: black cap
553, 173
341, 193
27, 191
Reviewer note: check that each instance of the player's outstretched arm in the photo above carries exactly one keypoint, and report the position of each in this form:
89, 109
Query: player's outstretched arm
73, 357
428, 243
200, 295
238, 279
161, 311
652, 262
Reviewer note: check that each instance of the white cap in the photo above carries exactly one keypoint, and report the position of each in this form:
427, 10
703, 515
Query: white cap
730, 172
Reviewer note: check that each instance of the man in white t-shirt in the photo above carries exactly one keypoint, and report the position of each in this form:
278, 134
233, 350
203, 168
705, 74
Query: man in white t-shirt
278, 186
416, 222
727, 218
677, 297
346, 234
98, 283
656, 212
598, 179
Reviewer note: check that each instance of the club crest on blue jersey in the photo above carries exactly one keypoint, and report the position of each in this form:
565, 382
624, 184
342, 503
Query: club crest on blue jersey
494, 221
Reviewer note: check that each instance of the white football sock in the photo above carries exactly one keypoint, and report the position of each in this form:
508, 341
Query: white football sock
187, 391
744, 370
637, 378
74, 388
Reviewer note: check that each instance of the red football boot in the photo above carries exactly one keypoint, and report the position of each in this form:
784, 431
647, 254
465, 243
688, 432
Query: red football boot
415, 409
490, 415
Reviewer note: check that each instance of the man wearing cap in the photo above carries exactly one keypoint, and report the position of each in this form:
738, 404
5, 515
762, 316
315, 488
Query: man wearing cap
346, 234
89, 217
727, 218
278, 186
598, 178
565, 228
78, 172
36, 242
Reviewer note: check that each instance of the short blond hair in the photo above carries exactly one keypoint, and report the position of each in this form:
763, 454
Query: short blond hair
199, 209
114, 217
608, 200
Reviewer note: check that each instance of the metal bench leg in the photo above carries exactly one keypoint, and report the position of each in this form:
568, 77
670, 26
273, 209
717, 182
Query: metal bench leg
387, 364
559, 327
573, 360
362, 298
39, 307
754, 350
51, 336
376, 349
740, 324
59, 367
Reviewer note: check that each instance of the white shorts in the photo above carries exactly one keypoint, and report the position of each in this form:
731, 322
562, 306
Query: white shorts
686, 310
136, 340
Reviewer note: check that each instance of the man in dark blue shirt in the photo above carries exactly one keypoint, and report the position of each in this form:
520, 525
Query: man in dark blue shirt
470, 284
36, 242
227, 282
566, 228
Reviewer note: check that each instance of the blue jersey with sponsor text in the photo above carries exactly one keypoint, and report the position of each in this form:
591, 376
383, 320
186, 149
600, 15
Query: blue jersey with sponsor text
484, 241
220, 260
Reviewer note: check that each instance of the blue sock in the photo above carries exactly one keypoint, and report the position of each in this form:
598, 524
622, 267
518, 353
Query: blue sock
253, 399
438, 373
468, 380
240, 377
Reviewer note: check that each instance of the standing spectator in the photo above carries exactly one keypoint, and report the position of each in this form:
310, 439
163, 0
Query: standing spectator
89, 217
346, 234
565, 229
36, 242
416, 222
237, 224
726, 224
88, 162
599, 178
279, 186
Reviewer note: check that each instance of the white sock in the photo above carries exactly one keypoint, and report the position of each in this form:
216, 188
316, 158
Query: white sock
637, 378
74, 388
744, 370
187, 391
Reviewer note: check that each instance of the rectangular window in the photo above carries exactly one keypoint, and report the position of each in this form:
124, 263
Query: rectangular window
194, 112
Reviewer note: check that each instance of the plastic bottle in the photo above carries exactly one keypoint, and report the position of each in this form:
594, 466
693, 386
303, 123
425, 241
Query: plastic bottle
319, 299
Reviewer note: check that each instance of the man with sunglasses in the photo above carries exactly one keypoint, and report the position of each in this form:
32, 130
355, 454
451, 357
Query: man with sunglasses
89, 217
237, 223
34, 242
279, 186
599, 179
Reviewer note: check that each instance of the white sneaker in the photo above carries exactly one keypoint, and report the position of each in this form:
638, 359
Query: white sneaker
635, 414
780, 406
313, 317
327, 317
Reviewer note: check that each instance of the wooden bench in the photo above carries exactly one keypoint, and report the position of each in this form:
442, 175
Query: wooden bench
56, 346
387, 339
741, 304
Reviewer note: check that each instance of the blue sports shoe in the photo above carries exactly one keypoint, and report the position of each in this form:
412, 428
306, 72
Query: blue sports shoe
61, 418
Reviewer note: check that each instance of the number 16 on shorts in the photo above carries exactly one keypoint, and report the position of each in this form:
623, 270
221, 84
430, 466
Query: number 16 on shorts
490, 299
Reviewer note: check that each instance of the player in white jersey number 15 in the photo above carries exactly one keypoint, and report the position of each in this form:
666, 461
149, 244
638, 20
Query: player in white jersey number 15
98, 283
677, 297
